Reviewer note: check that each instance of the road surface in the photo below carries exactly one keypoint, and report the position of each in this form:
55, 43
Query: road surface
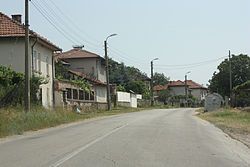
156, 138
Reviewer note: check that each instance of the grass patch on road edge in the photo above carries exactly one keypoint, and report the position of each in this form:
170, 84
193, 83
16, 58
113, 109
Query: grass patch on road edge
14, 121
229, 119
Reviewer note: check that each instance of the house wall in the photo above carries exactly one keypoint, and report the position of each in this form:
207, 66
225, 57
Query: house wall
180, 90
199, 93
12, 54
101, 94
90, 66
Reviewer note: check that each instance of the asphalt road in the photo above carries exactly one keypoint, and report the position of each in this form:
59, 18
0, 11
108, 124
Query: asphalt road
169, 138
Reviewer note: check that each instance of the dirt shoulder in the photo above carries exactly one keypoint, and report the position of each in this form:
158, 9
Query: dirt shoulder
234, 122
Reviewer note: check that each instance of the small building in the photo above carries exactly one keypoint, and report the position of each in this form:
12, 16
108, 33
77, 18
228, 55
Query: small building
178, 88
90, 66
12, 53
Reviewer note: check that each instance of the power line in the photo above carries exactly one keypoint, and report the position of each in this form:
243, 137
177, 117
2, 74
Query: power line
51, 22
191, 64
74, 25
58, 23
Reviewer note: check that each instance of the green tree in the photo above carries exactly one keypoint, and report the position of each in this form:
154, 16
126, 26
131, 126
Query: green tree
160, 79
240, 73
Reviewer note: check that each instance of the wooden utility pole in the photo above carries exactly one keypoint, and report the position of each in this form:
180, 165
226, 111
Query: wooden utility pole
27, 60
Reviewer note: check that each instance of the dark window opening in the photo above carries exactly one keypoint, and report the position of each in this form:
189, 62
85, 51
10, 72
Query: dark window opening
92, 95
81, 95
75, 94
86, 95
69, 93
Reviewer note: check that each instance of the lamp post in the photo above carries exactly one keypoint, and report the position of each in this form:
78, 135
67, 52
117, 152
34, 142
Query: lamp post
107, 71
151, 82
186, 89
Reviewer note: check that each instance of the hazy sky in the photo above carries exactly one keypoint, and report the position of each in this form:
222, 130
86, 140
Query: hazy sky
181, 33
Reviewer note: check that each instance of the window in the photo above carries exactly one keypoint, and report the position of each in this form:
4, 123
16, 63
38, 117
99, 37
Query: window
75, 94
48, 96
34, 60
69, 93
39, 62
81, 95
86, 95
92, 97
47, 65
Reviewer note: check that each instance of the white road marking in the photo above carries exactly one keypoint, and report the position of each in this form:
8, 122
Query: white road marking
77, 151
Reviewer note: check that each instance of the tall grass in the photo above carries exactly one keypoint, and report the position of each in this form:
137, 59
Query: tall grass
14, 120
235, 120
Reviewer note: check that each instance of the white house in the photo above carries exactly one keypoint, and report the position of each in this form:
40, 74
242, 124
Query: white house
12, 53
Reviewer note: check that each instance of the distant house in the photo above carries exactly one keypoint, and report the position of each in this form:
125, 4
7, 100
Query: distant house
177, 88
90, 66
12, 53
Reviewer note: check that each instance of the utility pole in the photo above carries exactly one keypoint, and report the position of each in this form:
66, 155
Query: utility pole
186, 96
27, 60
151, 84
107, 70
186, 89
230, 78
107, 75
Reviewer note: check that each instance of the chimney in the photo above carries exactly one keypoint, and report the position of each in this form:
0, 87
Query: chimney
17, 17
78, 47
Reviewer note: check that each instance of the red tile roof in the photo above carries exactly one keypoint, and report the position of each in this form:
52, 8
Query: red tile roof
12, 28
176, 83
194, 85
191, 85
77, 53
96, 81
160, 87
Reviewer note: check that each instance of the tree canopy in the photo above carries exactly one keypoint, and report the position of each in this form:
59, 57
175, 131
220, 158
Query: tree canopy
220, 81
160, 79
128, 78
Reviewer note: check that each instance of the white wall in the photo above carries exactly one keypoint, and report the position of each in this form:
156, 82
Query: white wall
123, 97
133, 100
12, 54
101, 94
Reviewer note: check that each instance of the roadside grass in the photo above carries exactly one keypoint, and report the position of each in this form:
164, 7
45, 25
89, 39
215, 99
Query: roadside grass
14, 121
227, 119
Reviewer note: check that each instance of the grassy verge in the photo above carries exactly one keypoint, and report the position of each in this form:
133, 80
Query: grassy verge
234, 122
14, 121
233, 119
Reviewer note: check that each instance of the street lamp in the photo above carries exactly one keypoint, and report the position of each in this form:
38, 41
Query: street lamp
107, 71
151, 82
186, 93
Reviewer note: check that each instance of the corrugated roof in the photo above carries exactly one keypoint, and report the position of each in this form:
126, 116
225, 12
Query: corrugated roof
12, 28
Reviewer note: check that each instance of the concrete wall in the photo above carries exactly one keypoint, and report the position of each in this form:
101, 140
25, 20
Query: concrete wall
126, 99
123, 97
101, 94
12, 54
90, 66
133, 100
